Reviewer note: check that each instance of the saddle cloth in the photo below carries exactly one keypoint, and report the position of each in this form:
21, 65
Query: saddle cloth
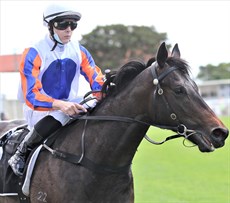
8, 145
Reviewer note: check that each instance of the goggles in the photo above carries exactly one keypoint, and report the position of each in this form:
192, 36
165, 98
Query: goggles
62, 25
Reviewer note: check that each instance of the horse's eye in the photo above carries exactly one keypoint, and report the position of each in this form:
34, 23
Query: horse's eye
180, 90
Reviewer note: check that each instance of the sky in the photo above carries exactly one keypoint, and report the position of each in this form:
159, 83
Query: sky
201, 28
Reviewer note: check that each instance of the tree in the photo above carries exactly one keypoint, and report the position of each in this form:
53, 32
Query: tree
211, 72
114, 45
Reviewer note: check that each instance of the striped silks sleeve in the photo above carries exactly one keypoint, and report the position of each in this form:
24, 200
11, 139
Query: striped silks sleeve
90, 70
31, 85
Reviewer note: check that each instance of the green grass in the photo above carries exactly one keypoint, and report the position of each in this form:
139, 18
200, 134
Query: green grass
172, 173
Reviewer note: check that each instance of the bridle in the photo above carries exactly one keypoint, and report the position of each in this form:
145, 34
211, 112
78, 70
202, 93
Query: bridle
181, 129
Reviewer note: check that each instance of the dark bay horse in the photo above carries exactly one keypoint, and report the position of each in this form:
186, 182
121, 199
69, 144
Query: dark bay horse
101, 146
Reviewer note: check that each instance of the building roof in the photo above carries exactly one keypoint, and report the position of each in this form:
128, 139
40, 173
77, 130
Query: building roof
9, 63
214, 82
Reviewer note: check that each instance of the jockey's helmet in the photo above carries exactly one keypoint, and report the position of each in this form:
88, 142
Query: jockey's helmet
58, 12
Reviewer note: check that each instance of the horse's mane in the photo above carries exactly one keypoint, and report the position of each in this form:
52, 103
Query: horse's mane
123, 76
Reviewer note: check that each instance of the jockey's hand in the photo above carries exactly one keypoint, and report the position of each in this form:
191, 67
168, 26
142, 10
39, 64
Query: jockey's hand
69, 108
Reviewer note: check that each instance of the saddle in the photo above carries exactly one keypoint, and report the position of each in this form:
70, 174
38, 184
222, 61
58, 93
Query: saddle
10, 184
8, 145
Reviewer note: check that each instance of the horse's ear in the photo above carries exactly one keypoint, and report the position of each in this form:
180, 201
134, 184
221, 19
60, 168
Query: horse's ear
162, 55
176, 51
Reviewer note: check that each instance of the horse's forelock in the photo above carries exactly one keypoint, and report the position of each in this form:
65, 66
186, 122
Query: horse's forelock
172, 61
180, 63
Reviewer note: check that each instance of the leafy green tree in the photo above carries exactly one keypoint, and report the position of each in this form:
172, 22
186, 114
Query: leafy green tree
114, 45
211, 72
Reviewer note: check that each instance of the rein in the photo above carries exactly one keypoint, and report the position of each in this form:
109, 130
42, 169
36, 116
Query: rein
181, 130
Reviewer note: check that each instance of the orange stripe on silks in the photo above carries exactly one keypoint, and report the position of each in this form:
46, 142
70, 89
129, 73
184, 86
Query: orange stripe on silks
38, 85
23, 77
85, 64
35, 72
100, 76
43, 109
89, 70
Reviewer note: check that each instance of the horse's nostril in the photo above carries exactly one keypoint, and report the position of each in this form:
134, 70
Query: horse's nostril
220, 133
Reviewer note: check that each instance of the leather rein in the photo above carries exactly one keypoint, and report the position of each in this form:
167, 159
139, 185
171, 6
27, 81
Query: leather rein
181, 129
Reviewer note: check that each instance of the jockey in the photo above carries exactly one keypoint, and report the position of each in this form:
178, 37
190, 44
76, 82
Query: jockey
50, 71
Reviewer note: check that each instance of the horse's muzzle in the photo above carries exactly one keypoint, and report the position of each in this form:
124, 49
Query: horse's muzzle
218, 136
208, 143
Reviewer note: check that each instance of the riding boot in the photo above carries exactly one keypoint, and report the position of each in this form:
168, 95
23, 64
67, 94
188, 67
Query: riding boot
33, 139
17, 161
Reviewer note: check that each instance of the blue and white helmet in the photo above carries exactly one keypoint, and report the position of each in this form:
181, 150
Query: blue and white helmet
56, 11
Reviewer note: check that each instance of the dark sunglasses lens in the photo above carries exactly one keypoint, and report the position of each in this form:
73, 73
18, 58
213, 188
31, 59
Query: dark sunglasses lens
64, 24
73, 25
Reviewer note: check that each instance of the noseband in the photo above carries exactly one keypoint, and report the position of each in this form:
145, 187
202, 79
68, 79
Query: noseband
181, 129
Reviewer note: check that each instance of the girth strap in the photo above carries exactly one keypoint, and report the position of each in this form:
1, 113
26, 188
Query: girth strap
87, 163
22, 198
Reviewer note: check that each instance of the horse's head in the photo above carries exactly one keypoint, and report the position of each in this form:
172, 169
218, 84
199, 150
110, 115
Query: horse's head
177, 104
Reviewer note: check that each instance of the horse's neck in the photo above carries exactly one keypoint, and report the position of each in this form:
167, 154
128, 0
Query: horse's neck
114, 141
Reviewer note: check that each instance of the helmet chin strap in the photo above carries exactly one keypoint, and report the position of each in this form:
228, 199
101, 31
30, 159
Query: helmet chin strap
56, 40
54, 37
